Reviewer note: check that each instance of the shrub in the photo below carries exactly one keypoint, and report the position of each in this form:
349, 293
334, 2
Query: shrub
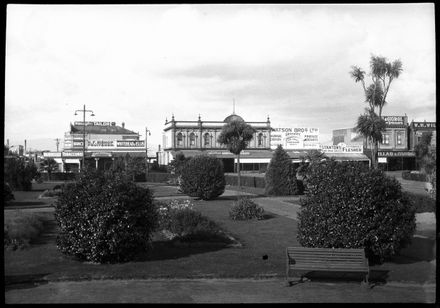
281, 175
349, 206
244, 209
179, 218
20, 228
421, 177
7, 193
105, 218
202, 176
20, 173
422, 203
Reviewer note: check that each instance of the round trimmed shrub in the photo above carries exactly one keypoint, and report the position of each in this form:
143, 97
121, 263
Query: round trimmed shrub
105, 218
348, 205
280, 176
202, 177
244, 209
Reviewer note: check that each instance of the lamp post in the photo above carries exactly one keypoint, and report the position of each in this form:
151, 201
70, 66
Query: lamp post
84, 134
147, 133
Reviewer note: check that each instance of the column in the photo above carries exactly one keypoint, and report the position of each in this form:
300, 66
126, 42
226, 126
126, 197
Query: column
96, 160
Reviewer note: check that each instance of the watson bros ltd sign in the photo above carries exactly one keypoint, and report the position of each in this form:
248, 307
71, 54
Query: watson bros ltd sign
295, 138
396, 153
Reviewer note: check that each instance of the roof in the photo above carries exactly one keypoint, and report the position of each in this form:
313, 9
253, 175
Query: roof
233, 117
97, 129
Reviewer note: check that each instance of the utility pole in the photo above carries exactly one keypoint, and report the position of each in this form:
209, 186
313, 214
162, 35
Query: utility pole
147, 133
57, 142
84, 133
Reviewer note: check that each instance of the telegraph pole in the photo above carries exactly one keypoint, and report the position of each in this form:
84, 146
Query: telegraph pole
57, 142
147, 132
84, 134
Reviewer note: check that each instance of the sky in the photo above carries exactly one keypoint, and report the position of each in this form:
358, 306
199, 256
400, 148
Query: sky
141, 64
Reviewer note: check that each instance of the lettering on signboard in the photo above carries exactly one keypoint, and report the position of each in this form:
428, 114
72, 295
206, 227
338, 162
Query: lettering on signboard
424, 124
394, 120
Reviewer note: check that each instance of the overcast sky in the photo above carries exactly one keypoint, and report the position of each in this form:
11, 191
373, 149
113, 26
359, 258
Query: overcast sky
139, 64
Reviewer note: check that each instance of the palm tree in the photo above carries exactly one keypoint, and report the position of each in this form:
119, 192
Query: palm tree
236, 136
49, 165
371, 126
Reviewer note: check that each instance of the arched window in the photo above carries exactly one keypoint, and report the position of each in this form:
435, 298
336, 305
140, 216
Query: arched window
206, 138
179, 139
192, 139
260, 139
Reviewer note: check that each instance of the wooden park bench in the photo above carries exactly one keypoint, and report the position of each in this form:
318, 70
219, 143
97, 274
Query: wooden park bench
307, 260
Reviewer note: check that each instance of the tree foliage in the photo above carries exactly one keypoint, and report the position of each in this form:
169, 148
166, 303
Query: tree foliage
348, 205
280, 176
382, 74
236, 135
203, 177
19, 173
105, 218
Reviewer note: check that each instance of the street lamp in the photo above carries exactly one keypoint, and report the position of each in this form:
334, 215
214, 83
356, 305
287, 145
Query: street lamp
84, 134
147, 133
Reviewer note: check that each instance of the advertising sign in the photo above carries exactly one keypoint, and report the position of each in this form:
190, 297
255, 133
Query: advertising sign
394, 120
95, 123
424, 124
396, 153
295, 138
341, 148
100, 144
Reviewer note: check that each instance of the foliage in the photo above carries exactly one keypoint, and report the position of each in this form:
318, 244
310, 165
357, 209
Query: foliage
20, 173
311, 157
411, 176
422, 203
105, 217
49, 165
349, 206
236, 135
202, 176
187, 224
244, 208
20, 228
176, 166
7, 193
250, 180
281, 175
382, 74
425, 153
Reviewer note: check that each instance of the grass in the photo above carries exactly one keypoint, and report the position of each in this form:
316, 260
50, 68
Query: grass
21, 227
258, 238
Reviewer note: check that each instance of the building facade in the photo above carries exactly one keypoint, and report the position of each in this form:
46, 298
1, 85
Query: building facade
104, 141
201, 137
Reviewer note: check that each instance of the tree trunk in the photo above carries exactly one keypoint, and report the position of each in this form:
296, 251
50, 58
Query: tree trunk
238, 170
374, 155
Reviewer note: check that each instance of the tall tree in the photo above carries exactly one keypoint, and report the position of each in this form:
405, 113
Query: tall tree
49, 165
236, 135
382, 74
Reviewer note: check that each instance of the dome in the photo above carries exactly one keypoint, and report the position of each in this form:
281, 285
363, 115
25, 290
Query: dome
233, 117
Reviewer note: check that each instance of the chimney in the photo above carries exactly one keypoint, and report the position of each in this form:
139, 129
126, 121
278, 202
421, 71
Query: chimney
123, 125
25, 145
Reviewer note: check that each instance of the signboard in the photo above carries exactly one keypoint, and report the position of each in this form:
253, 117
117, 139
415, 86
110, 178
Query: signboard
52, 154
382, 160
424, 124
396, 153
107, 144
341, 148
394, 120
95, 123
72, 154
295, 138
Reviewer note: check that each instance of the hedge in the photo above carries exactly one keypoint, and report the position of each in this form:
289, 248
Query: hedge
246, 180
421, 177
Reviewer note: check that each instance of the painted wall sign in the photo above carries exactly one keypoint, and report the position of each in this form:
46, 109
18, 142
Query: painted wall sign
341, 148
424, 124
396, 153
95, 123
394, 120
99, 144
295, 138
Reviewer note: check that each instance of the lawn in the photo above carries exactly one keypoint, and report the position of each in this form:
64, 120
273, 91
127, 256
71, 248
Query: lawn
258, 238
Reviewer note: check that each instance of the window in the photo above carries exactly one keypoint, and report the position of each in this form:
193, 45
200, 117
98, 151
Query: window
386, 139
206, 138
260, 139
399, 139
192, 139
179, 139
